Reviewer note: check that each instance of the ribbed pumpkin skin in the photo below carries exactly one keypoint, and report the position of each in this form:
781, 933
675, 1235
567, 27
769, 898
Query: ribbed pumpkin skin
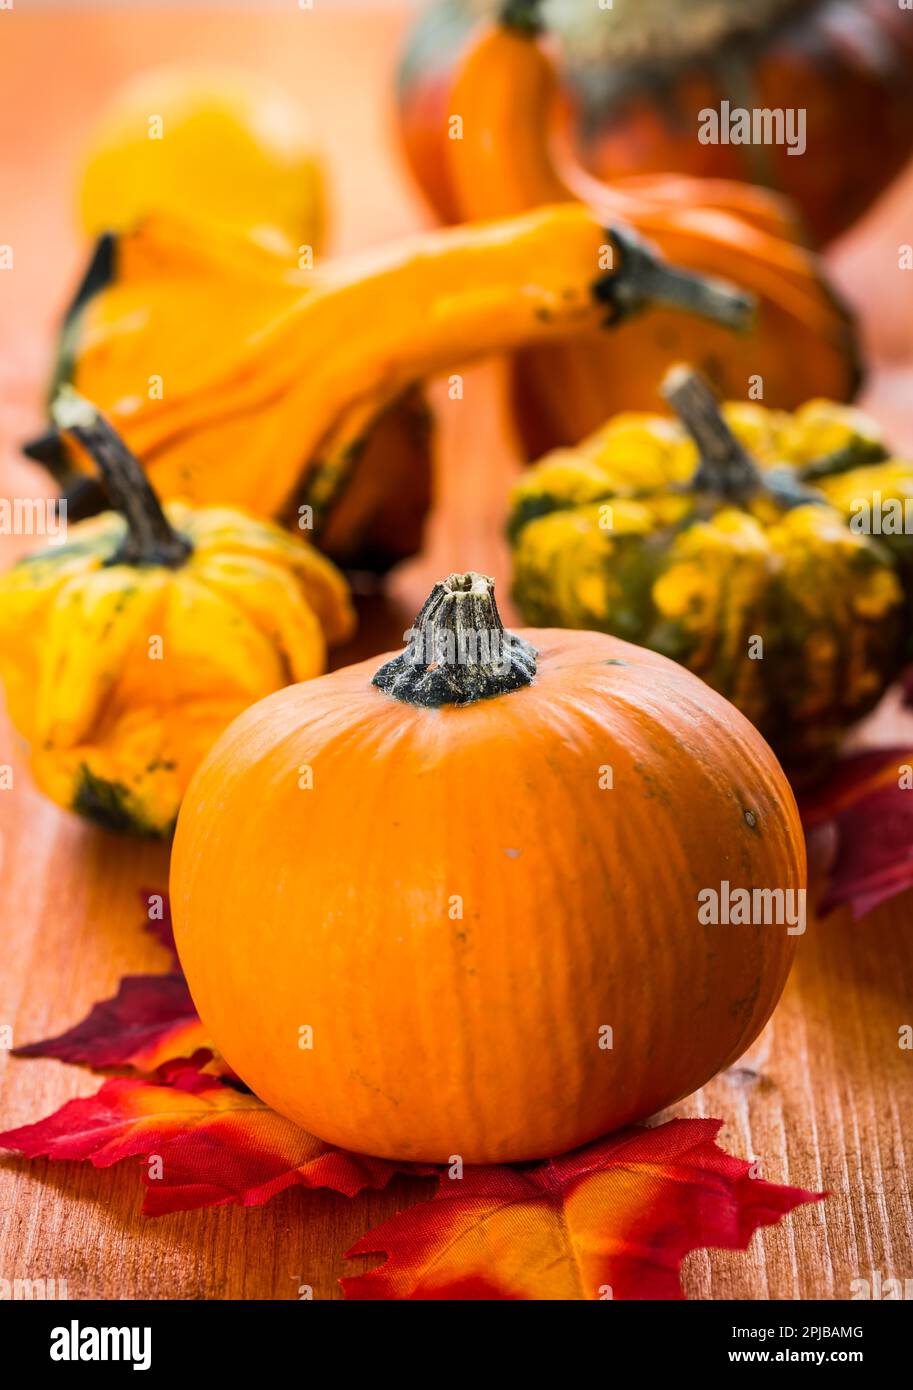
479, 1036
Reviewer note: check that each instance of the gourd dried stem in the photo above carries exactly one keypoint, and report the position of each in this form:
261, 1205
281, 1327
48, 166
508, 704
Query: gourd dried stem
458, 649
150, 539
644, 280
726, 468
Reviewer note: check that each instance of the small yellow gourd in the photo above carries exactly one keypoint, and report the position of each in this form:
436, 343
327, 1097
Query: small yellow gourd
128, 649
738, 544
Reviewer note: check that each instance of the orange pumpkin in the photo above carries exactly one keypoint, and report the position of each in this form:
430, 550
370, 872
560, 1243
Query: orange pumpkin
456, 905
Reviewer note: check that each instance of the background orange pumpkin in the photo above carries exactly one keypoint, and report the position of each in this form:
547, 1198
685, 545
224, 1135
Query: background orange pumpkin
636, 74
436, 879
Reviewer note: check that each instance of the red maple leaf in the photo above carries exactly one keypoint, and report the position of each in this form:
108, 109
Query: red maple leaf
157, 908
149, 1021
205, 1143
868, 800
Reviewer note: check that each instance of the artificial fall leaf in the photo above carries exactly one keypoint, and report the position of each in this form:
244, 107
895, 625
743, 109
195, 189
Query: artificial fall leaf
612, 1220
160, 926
205, 1142
150, 1020
869, 803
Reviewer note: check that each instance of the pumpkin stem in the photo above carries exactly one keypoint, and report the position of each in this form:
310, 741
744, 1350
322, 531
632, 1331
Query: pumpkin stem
641, 279
457, 650
150, 539
523, 16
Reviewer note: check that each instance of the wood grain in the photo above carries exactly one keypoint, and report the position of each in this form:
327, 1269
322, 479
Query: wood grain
825, 1097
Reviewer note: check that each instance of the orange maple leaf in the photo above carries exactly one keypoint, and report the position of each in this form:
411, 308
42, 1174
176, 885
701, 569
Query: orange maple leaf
612, 1220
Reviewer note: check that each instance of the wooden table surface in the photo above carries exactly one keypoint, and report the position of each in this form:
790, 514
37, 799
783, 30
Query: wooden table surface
825, 1097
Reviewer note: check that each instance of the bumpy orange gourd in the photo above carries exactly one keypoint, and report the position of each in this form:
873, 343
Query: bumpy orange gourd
802, 344
640, 72
451, 906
